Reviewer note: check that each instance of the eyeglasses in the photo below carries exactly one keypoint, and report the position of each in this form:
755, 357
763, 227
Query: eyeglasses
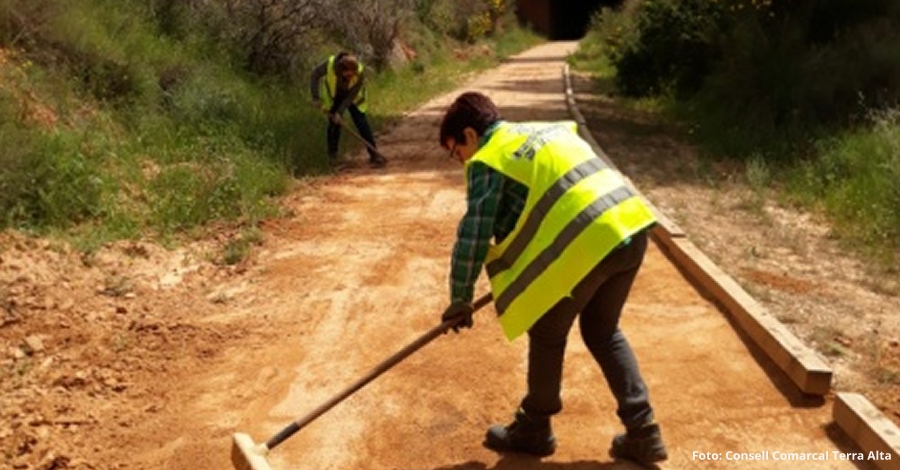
452, 154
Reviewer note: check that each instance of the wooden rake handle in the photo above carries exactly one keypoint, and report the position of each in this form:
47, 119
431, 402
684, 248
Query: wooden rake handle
360, 138
379, 369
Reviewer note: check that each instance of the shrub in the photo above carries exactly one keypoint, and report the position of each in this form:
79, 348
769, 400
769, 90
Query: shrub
275, 33
671, 50
856, 175
465, 20
47, 181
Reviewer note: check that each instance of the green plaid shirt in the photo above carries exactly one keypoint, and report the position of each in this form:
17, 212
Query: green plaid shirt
494, 204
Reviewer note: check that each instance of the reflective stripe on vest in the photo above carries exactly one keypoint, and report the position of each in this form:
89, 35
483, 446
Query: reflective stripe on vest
331, 79
578, 210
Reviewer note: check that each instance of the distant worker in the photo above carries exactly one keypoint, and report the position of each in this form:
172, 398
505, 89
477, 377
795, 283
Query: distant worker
345, 89
569, 237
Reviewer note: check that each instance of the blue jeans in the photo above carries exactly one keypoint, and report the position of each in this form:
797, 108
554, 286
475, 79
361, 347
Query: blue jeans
599, 298
362, 125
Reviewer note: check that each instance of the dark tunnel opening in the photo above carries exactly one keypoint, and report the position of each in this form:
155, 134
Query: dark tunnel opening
560, 19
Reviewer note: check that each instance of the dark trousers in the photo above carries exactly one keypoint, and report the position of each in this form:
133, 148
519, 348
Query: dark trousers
362, 125
599, 298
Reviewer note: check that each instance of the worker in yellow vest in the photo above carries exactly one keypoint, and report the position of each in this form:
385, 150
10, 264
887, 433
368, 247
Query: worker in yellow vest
561, 236
337, 85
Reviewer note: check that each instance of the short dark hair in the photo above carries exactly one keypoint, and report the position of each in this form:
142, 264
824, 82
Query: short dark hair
346, 61
470, 109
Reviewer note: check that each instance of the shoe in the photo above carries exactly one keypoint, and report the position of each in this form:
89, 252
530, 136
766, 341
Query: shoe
377, 161
336, 163
526, 435
643, 445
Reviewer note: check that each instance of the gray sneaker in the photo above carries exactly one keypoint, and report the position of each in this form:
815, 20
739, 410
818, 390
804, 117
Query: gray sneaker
643, 445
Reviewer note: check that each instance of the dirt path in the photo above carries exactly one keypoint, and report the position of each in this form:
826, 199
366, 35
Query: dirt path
146, 359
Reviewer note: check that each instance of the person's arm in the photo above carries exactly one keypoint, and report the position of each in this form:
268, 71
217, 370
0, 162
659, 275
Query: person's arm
485, 187
352, 92
314, 79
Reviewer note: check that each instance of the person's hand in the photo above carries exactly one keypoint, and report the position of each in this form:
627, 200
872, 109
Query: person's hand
461, 312
336, 119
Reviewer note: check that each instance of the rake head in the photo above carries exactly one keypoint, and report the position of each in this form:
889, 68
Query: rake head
245, 455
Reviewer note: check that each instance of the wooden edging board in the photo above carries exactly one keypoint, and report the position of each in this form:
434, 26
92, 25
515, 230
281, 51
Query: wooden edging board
873, 432
864, 423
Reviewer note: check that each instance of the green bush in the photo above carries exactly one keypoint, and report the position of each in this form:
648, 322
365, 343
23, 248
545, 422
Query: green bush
671, 49
784, 80
464, 20
47, 182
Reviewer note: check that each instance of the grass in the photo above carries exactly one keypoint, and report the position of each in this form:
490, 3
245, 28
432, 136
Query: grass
117, 285
122, 341
97, 150
824, 339
832, 349
886, 376
855, 181
238, 249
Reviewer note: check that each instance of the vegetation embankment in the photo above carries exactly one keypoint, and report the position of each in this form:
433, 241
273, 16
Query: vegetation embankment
804, 93
124, 119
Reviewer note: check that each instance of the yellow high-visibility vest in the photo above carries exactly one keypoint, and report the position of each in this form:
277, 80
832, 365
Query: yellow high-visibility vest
577, 211
331, 79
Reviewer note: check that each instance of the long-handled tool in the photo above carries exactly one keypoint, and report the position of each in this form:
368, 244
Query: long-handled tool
245, 455
380, 159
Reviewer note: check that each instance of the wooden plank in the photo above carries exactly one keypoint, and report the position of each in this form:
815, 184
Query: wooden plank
876, 435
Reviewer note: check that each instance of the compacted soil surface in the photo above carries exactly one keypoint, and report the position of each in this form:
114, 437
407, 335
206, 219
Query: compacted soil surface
140, 357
